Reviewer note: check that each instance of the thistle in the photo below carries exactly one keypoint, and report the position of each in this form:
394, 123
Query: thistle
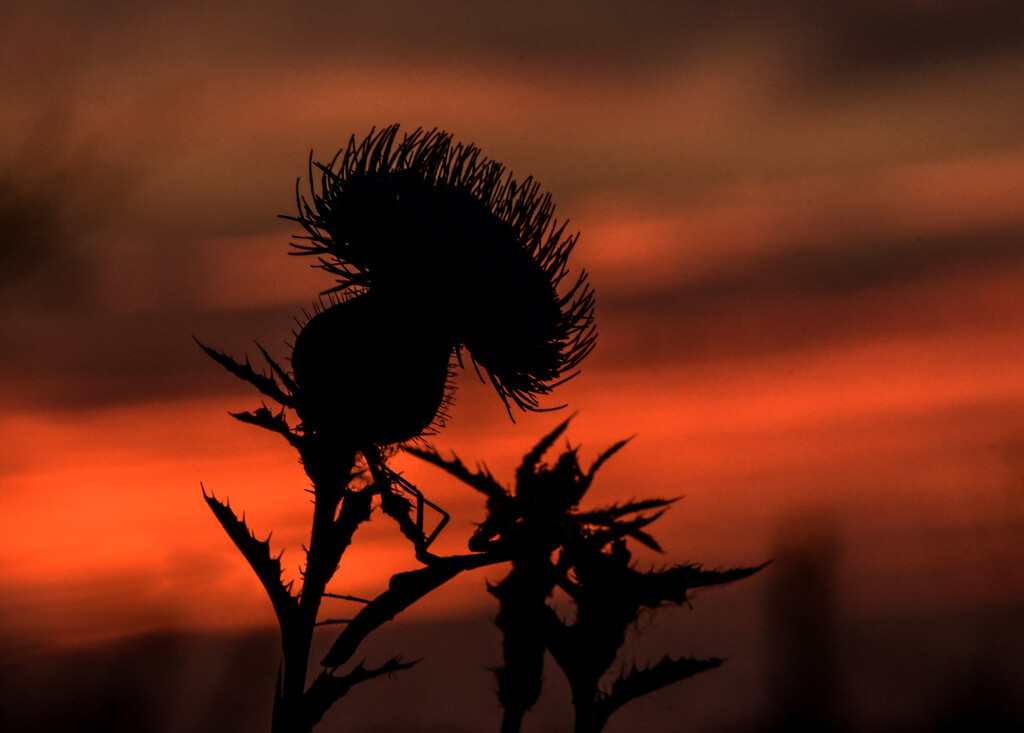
440, 256
555, 544
434, 249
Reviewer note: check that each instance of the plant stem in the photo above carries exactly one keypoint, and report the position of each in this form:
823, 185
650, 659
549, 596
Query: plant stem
331, 532
522, 595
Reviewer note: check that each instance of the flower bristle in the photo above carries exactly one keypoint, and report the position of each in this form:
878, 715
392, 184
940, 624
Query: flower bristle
454, 234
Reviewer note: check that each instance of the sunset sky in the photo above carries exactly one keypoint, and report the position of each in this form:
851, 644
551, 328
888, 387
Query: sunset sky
804, 223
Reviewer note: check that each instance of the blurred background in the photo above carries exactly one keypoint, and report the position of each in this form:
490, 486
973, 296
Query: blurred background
805, 226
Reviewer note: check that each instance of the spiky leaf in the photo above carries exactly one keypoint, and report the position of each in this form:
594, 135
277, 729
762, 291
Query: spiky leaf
638, 682
632, 528
284, 376
264, 418
601, 459
328, 688
532, 459
257, 553
404, 590
480, 480
265, 384
607, 515
673, 584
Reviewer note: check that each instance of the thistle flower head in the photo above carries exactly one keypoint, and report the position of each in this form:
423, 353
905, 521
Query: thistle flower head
445, 235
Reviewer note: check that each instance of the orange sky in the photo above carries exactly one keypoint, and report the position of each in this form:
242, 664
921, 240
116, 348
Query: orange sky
806, 238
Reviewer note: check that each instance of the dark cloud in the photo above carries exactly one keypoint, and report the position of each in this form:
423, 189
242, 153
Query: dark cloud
55, 194
163, 172
96, 309
94, 359
37, 195
30, 233
849, 266
856, 40
849, 37
606, 33
184, 81
800, 299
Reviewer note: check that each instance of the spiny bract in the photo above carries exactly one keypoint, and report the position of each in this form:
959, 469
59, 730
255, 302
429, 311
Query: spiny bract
438, 236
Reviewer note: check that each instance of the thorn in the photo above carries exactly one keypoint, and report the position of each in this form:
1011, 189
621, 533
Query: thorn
347, 598
330, 621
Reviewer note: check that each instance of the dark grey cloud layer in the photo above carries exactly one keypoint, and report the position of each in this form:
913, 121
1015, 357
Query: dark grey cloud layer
87, 360
114, 138
850, 37
806, 298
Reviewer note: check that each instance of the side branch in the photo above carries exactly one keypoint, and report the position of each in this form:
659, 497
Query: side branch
639, 682
404, 590
328, 688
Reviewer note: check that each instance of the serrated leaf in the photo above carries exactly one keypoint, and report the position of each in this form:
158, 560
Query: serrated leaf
265, 384
644, 539
673, 584
638, 682
257, 554
607, 515
284, 376
604, 457
404, 590
481, 480
532, 459
328, 688
264, 418
632, 528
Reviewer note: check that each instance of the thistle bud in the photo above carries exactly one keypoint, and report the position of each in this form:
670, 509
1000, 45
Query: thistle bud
368, 374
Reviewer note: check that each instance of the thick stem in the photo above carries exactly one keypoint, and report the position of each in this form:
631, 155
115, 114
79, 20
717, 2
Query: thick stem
522, 596
329, 469
584, 699
512, 721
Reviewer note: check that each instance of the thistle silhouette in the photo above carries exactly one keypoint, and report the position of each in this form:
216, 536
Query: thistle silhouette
552, 544
439, 255
435, 249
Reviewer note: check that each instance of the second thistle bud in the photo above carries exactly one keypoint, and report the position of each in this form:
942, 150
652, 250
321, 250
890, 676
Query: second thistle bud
368, 373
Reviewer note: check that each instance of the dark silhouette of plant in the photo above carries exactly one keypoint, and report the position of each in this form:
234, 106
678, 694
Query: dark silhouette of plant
434, 248
553, 544
343, 498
